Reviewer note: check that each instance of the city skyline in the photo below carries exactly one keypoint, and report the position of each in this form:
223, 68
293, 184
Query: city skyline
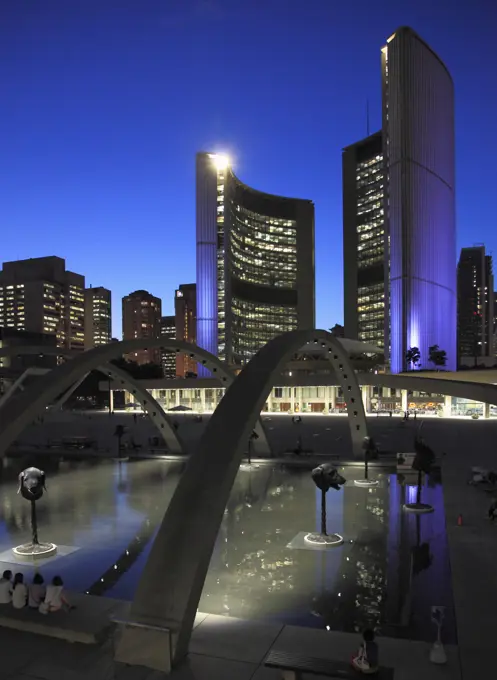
115, 160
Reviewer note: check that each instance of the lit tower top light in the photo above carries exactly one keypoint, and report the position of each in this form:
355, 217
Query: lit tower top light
221, 161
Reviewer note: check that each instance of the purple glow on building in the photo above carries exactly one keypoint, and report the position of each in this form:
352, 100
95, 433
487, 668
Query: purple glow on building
411, 493
418, 124
206, 233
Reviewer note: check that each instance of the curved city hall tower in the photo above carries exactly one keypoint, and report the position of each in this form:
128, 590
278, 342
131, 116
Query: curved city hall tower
418, 136
255, 263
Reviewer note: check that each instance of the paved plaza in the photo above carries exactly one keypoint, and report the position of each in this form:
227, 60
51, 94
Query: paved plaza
221, 649
228, 647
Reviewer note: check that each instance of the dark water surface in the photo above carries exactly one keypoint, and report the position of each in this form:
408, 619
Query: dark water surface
391, 569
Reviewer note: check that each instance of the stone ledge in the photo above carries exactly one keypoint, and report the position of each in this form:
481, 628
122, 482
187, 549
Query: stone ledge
89, 623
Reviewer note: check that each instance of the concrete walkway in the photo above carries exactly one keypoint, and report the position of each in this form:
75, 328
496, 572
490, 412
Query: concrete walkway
473, 546
221, 648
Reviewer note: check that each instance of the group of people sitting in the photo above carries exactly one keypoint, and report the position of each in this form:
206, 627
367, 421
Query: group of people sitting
36, 595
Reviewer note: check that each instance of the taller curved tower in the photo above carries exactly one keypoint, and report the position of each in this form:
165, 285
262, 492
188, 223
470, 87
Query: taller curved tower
418, 145
255, 263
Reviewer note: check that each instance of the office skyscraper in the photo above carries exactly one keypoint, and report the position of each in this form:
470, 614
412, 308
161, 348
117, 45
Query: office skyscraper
418, 143
142, 319
40, 296
98, 316
399, 215
168, 359
475, 303
255, 263
366, 264
495, 325
185, 309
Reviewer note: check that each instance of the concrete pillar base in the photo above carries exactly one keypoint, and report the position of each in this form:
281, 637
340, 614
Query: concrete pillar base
141, 645
447, 409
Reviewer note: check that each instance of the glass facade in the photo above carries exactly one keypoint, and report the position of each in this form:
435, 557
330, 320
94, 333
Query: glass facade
12, 304
365, 242
371, 251
168, 359
221, 265
75, 315
263, 249
259, 250
98, 317
475, 303
263, 253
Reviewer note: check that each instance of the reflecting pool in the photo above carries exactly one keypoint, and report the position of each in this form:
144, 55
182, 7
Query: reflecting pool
391, 569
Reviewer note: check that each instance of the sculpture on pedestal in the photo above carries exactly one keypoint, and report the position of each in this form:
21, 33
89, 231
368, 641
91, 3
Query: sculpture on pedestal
370, 452
31, 487
250, 448
252, 438
326, 477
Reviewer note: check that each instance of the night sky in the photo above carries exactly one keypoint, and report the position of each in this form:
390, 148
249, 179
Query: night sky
104, 103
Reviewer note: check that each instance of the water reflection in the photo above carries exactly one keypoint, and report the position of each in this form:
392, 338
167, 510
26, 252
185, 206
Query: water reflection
390, 570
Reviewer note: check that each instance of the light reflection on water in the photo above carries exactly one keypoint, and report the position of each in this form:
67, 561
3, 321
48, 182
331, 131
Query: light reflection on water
388, 573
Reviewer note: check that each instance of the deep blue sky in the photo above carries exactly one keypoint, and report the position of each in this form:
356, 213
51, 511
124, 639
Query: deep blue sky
104, 103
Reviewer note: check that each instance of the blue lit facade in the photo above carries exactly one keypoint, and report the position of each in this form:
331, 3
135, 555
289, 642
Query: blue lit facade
206, 200
255, 264
418, 134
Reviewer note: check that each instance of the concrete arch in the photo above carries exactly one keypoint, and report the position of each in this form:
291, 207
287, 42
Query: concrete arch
150, 405
464, 389
172, 580
18, 413
154, 410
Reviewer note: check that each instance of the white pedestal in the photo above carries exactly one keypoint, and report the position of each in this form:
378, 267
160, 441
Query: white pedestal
437, 653
29, 552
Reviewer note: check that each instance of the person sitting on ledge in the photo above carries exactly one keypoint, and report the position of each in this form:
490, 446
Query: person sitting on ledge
36, 592
55, 599
6, 587
20, 592
366, 660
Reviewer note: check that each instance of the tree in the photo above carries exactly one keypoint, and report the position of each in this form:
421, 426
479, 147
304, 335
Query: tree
413, 355
437, 356
338, 331
139, 371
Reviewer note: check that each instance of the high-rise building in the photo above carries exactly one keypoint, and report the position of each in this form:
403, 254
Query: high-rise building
98, 316
168, 359
40, 296
142, 319
495, 325
185, 308
475, 303
418, 146
13, 366
365, 269
255, 263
